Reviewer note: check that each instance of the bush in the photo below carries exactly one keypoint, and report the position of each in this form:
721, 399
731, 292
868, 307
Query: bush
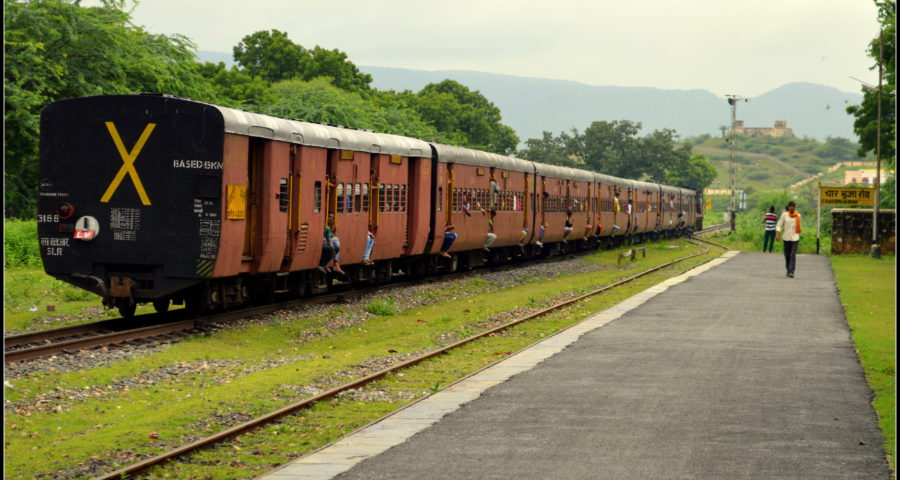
20, 243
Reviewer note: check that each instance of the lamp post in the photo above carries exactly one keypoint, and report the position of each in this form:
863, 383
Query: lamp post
732, 100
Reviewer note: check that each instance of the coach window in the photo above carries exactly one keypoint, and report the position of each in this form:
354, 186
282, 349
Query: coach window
381, 191
365, 197
403, 199
340, 198
396, 198
358, 192
283, 198
317, 197
348, 199
389, 198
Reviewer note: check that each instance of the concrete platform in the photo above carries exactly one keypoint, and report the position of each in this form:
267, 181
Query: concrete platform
730, 371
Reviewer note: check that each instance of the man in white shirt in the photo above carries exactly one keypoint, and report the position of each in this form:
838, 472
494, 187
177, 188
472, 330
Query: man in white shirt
788, 227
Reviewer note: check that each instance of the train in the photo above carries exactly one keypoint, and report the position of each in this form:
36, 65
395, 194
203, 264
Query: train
151, 198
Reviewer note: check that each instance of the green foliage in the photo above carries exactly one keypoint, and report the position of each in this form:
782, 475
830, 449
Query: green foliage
883, 47
696, 173
319, 101
272, 56
20, 244
467, 118
777, 162
615, 149
57, 50
235, 88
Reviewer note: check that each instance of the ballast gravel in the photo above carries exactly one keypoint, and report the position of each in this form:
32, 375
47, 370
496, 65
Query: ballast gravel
335, 317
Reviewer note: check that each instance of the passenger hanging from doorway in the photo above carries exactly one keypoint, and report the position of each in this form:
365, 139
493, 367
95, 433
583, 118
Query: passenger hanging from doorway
628, 209
327, 249
541, 230
599, 229
370, 242
680, 219
567, 229
449, 237
491, 236
336, 244
524, 237
616, 208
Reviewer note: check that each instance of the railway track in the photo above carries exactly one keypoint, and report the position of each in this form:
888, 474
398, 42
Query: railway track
153, 328
157, 328
264, 419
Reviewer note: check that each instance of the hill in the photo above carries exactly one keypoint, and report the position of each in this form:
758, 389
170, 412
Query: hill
532, 105
773, 163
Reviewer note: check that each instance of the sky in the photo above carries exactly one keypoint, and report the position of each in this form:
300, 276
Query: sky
741, 47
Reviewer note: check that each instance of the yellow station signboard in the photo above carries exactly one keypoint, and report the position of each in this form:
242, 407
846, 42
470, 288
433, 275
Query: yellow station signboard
859, 197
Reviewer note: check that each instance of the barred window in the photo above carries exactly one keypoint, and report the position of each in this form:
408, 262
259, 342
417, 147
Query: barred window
358, 194
317, 197
381, 191
365, 197
348, 198
340, 198
389, 198
396, 198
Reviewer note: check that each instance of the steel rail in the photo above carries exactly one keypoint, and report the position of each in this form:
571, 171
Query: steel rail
97, 334
250, 424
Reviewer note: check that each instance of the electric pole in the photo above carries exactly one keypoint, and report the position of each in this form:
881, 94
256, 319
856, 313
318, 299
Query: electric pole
733, 100
876, 248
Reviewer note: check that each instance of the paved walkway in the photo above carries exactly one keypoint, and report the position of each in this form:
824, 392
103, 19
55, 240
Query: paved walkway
731, 371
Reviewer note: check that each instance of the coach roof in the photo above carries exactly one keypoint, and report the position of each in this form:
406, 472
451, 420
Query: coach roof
467, 156
319, 135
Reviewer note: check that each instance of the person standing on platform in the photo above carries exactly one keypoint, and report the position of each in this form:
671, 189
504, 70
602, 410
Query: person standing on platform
788, 227
769, 237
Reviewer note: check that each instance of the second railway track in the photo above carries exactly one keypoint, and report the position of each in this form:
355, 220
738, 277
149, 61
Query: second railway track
355, 384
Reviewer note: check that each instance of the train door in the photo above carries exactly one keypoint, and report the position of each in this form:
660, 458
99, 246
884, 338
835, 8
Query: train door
251, 231
308, 189
348, 170
392, 173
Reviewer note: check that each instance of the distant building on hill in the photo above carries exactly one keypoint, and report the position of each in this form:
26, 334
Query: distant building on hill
779, 130
864, 176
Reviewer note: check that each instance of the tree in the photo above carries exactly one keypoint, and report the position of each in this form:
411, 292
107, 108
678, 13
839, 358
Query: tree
466, 117
334, 64
57, 50
660, 154
613, 148
865, 125
319, 101
696, 174
234, 88
553, 150
272, 56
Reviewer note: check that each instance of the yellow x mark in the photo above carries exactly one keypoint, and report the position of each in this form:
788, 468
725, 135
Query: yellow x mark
128, 159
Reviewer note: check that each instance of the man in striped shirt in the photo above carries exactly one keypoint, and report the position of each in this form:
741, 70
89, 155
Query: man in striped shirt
769, 238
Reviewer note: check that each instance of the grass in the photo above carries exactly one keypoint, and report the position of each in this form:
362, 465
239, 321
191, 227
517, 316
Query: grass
261, 367
868, 292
